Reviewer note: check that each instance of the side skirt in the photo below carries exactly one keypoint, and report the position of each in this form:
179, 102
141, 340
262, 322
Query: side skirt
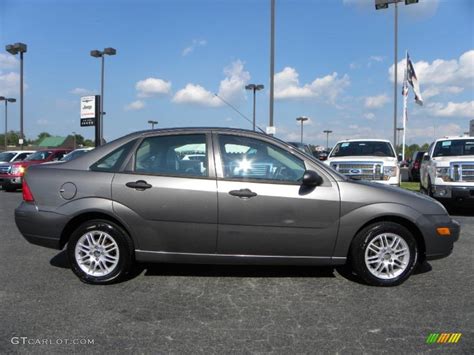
195, 258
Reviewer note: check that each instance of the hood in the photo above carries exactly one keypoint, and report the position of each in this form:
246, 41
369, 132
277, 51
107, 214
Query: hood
457, 158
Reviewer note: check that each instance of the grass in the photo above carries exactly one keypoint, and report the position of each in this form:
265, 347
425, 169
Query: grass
413, 186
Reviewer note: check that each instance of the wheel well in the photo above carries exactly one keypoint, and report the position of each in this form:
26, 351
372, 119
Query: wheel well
78, 220
412, 227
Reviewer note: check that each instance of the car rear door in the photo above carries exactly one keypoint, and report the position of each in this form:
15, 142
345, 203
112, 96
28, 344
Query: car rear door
168, 194
263, 209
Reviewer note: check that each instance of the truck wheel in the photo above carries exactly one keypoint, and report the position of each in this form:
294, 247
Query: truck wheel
100, 252
384, 254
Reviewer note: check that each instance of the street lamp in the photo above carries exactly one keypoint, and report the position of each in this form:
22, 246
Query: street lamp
302, 119
327, 138
383, 4
254, 88
14, 49
101, 54
153, 123
399, 129
7, 100
272, 63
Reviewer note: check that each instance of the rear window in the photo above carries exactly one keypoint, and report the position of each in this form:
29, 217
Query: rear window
368, 148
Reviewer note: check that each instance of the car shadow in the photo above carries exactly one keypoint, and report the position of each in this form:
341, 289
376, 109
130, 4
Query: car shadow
60, 260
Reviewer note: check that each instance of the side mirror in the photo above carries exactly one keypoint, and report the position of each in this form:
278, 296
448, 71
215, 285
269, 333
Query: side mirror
399, 158
311, 178
426, 157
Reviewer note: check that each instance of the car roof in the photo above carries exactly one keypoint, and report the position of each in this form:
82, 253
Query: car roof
19, 151
363, 140
456, 138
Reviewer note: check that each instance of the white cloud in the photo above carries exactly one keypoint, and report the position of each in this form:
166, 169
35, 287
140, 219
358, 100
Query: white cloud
369, 116
9, 83
452, 109
287, 86
81, 91
376, 58
152, 86
196, 43
42, 122
135, 105
441, 76
231, 88
376, 101
8, 61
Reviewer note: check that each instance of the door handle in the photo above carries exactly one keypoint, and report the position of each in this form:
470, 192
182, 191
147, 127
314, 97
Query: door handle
243, 193
139, 185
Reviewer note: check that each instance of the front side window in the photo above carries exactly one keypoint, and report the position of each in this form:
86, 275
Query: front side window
360, 148
246, 158
175, 155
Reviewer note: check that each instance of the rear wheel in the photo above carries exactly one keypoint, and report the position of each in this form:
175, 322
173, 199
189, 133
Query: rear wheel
100, 252
384, 254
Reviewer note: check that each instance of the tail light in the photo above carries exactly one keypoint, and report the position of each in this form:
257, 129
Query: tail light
27, 195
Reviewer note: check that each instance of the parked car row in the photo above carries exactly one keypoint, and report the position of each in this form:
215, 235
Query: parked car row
13, 164
228, 196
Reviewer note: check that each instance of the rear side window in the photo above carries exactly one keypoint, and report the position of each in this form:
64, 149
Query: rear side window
174, 155
114, 160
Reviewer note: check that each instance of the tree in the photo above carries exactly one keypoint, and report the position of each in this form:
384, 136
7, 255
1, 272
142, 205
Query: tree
42, 136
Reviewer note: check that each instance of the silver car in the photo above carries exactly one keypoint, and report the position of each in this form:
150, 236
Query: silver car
248, 199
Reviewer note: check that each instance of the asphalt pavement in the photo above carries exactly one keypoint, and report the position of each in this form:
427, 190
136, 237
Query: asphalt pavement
179, 309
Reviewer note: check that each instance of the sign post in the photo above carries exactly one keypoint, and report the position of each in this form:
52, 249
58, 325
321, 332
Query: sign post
90, 114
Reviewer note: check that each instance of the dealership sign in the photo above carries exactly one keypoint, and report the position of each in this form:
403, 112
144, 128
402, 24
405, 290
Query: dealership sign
89, 110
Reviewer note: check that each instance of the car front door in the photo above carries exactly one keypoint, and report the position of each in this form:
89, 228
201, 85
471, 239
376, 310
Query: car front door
264, 209
168, 194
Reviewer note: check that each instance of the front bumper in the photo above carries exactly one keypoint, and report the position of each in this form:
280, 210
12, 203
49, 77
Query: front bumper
40, 227
455, 193
437, 246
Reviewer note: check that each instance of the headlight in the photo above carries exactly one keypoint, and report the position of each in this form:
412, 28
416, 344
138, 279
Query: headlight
18, 170
389, 171
443, 173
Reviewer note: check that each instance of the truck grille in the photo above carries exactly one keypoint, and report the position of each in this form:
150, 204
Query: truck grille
5, 169
462, 172
361, 171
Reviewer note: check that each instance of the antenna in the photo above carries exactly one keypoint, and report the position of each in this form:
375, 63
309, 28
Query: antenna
240, 113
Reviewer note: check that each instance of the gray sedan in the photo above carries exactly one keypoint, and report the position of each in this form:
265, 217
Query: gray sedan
224, 196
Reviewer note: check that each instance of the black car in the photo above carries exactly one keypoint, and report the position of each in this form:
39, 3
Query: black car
414, 167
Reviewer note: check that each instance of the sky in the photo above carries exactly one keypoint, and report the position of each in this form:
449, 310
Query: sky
333, 63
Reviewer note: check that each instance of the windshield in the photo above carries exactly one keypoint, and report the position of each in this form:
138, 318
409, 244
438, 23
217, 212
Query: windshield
41, 155
454, 147
74, 155
5, 156
379, 149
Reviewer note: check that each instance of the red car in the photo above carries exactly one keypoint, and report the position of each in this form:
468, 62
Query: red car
11, 175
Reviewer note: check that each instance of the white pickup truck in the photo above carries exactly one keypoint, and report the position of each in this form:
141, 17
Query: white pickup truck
447, 170
366, 159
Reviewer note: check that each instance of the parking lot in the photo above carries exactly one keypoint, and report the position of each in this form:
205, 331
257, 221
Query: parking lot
222, 309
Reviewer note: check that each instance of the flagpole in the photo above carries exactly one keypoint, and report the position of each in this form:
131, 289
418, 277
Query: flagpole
405, 103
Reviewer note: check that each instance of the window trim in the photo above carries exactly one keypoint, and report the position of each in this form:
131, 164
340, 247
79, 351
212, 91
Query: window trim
220, 170
129, 165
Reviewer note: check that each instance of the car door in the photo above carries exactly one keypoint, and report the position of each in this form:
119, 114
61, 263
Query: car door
168, 193
264, 209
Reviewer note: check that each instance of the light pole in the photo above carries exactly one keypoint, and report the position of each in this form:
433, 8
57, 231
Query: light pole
302, 119
399, 129
74, 137
7, 100
272, 59
15, 49
383, 4
101, 54
327, 138
254, 88
153, 123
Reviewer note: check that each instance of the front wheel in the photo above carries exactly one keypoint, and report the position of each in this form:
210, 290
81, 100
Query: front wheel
100, 252
384, 254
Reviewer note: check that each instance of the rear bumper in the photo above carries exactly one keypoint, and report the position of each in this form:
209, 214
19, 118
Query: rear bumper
437, 246
39, 227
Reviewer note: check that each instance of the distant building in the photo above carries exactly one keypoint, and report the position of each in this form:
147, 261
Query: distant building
471, 128
57, 142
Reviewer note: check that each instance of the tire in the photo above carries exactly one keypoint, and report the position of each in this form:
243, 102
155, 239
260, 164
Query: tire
389, 265
100, 252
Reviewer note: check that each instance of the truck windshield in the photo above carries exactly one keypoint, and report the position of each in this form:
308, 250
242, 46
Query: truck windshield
454, 147
41, 155
5, 156
363, 148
